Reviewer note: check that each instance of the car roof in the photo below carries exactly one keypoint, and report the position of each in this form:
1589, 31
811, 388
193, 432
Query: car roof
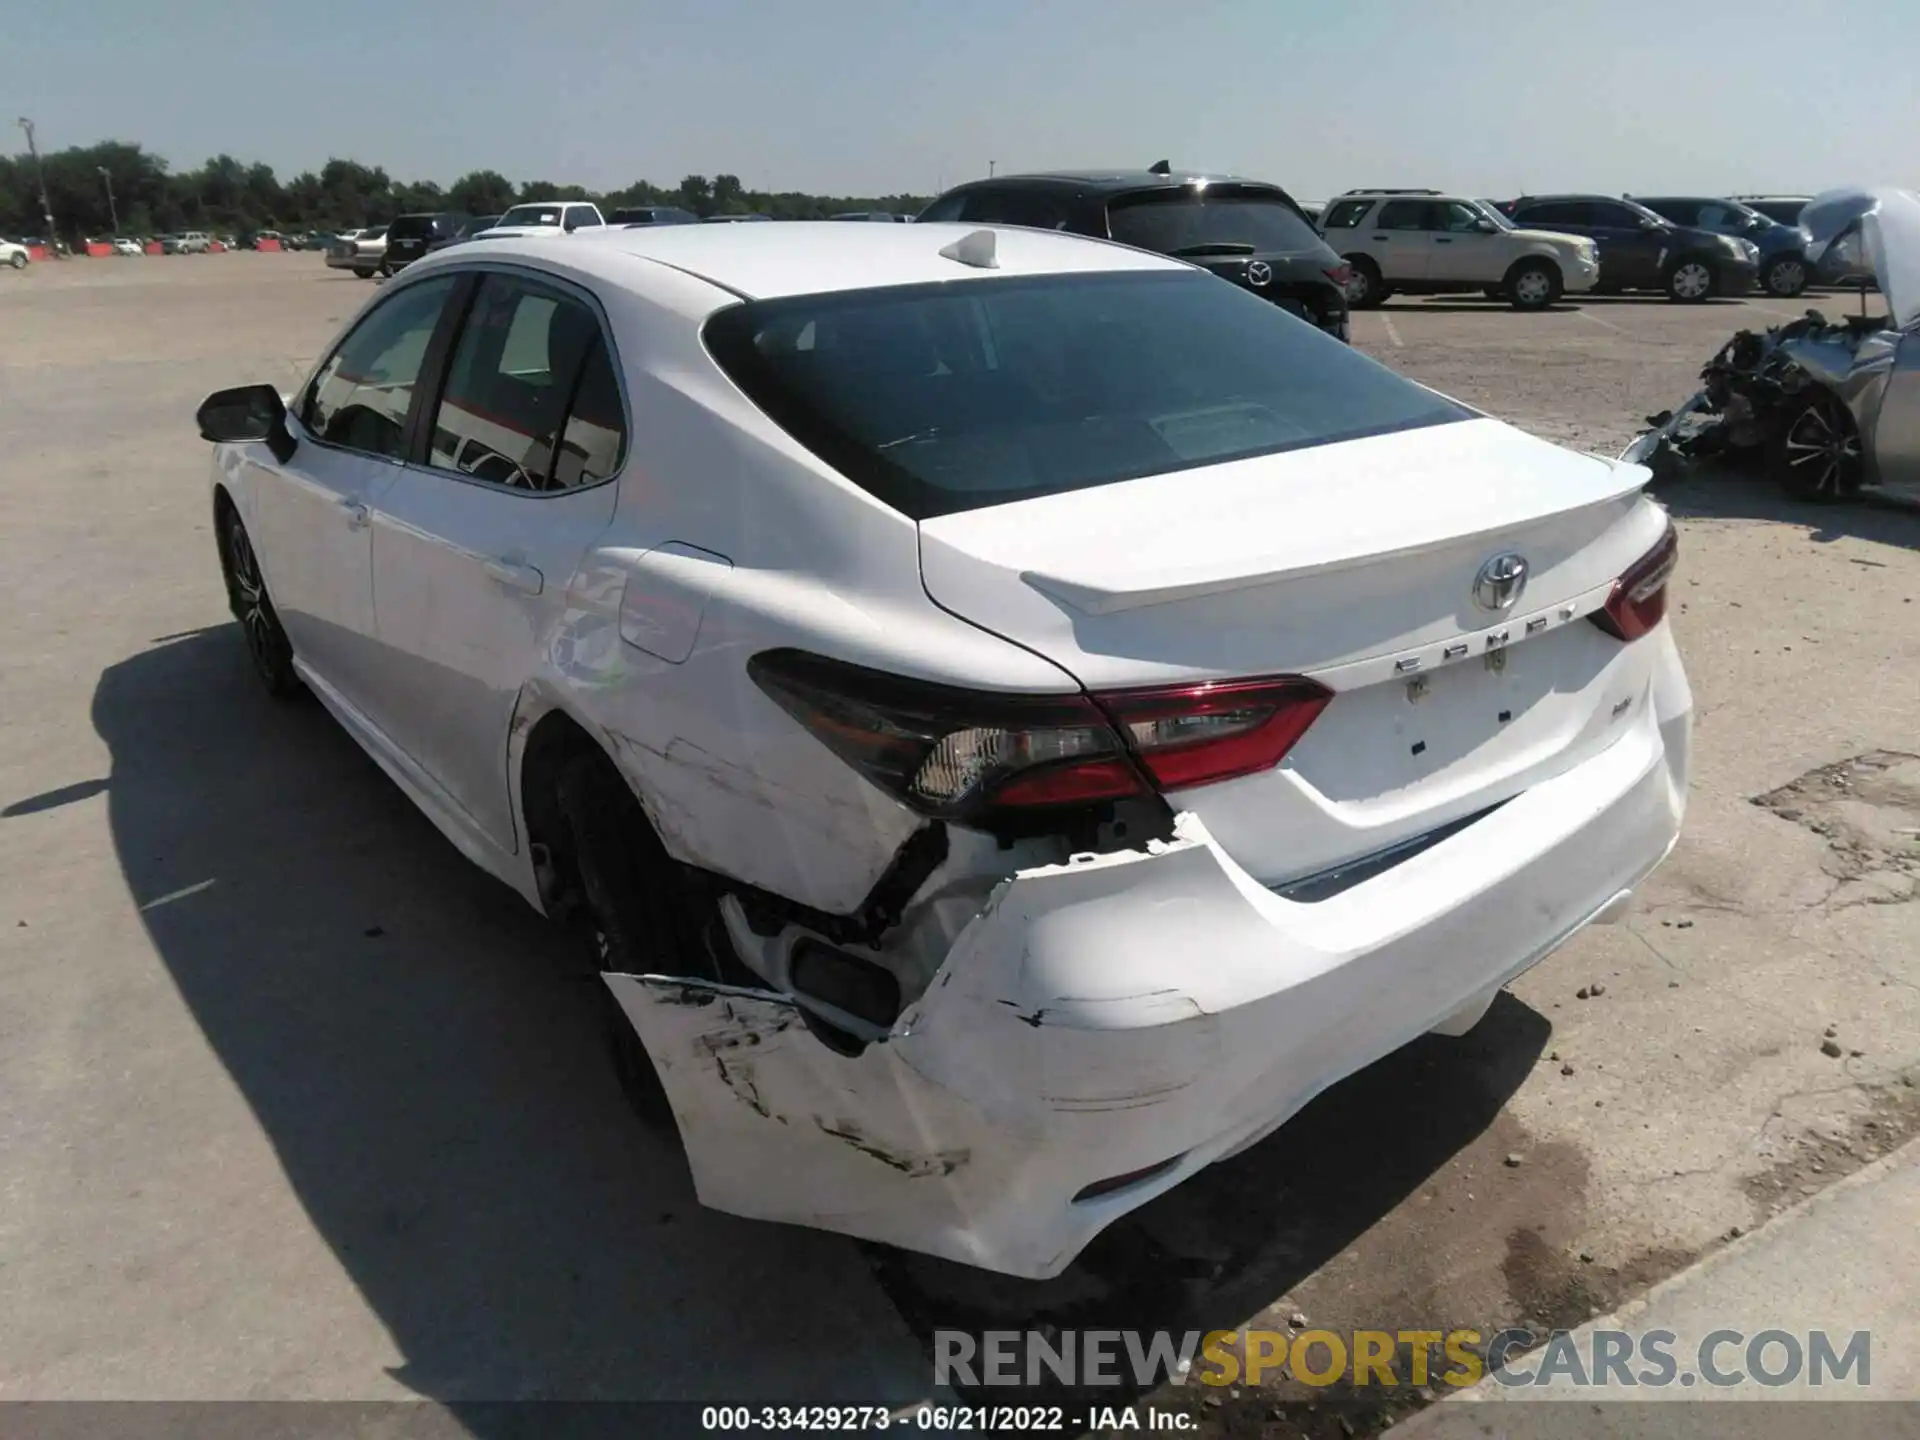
804, 257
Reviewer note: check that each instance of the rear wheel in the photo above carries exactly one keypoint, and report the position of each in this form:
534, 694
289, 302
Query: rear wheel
1533, 285
1690, 281
19, 260
1365, 288
362, 274
637, 917
1815, 454
267, 644
1785, 276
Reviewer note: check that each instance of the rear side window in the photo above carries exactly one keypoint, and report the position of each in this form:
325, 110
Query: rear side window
1035, 209
1405, 215
947, 207
1555, 212
949, 397
1345, 214
514, 391
1214, 219
360, 398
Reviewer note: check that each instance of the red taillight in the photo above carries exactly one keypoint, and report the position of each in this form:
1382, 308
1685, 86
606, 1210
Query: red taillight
959, 754
1191, 735
1639, 599
1341, 275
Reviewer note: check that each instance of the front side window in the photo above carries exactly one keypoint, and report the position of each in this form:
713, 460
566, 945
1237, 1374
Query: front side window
360, 397
517, 370
1211, 220
580, 216
948, 397
1554, 212
1345, 214
1458, 217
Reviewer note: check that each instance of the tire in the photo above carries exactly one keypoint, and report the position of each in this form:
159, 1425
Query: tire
1814, 452
1365, 290
19, 260
267, 643
1785, 276
1691, 281
360, 274
636, 919
1533, 284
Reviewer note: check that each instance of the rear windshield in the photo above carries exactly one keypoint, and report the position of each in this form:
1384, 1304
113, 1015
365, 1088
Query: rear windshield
955, 396
532, 215
1178, 222
409, 226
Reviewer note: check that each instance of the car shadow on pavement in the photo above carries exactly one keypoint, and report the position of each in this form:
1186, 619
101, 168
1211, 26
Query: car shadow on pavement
1216, 1251
1721, 490
435, 1087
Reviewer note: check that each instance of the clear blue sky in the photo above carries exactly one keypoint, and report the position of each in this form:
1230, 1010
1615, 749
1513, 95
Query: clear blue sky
879, 96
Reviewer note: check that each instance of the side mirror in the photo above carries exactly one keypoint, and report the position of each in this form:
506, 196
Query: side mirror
570, 225
1647, 224
247, 413
1486, 227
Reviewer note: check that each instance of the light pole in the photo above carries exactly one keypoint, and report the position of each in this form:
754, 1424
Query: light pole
113, 211
990, 165
46, 205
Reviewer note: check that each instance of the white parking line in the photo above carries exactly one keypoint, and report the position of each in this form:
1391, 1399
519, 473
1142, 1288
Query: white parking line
177, 895
1589, 315
1393, 334
1769, 310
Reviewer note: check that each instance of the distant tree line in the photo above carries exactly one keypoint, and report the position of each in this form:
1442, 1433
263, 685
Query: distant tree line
228, 195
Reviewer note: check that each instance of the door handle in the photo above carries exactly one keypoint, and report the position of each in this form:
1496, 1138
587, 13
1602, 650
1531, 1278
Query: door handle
356, 514
1381, 237
1441, 240
515, 575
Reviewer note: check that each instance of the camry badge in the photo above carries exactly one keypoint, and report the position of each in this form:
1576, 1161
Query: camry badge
1500, 581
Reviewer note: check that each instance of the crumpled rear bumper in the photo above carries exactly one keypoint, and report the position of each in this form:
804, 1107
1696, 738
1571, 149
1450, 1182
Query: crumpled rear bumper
1145, 1011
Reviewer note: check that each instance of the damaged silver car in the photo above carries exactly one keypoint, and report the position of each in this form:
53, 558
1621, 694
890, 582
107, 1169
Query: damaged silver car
1827, 406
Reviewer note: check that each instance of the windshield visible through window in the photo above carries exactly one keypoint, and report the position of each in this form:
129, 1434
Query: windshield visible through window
532, 215
949, 397
1216, 219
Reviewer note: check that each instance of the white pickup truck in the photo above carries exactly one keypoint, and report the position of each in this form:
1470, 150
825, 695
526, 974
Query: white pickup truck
546, 217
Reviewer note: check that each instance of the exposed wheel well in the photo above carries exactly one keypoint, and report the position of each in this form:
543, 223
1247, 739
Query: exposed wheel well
557, 740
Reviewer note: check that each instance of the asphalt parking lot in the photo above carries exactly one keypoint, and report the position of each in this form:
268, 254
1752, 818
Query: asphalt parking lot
294, 1103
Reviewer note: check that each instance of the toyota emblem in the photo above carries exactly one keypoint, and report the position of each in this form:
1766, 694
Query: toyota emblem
1259, 273
1500, 581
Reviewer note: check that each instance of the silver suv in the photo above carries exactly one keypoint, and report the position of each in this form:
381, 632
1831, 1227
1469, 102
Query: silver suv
1426, 242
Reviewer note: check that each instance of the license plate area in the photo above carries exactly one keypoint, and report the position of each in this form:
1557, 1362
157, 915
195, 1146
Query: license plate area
1430, 728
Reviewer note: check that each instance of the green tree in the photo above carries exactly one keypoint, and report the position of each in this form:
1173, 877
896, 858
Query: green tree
696, 194
482, 192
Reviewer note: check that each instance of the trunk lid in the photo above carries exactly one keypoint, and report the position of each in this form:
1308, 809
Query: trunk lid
1354, 563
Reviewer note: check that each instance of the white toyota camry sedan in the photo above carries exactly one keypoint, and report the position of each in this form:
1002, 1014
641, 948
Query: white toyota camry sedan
1012, 717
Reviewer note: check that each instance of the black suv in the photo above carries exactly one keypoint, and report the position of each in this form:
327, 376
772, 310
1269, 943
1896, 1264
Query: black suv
1641, 251
1251, 233
413, 236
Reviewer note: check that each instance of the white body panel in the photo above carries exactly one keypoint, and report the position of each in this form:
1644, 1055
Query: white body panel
1055, 1035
